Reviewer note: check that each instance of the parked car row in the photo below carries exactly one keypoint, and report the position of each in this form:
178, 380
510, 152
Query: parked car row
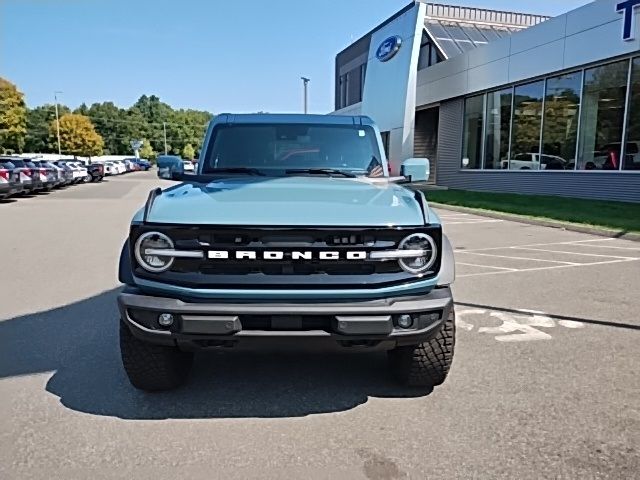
24, 176
118, 167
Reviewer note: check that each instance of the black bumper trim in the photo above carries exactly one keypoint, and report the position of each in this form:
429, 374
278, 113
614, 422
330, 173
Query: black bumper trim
356, 321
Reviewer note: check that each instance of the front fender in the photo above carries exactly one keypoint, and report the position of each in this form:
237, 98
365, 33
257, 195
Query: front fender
447, 273
125, 275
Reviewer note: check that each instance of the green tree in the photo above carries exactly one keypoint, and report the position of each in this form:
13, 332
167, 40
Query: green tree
77, 135
188, 152
116, 127
187, 127
38, 122
183, 126
82, 109
154, 114
147, 151
13, 117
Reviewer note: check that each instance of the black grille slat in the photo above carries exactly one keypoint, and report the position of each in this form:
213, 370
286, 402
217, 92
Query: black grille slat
336, 268
307, 322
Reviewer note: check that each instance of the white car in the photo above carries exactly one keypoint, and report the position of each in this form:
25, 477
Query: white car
118, 167
535, 161
188, 166
110, 168
79, 172
85, 176
121, 166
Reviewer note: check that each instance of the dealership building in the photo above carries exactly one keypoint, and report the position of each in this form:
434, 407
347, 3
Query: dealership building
505, 101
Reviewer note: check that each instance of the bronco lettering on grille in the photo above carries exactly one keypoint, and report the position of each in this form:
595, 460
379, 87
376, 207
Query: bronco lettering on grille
280, 255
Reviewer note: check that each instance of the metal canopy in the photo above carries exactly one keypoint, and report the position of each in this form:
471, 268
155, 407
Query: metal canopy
456, 30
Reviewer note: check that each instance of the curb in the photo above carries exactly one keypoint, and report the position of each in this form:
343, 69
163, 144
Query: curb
572, 227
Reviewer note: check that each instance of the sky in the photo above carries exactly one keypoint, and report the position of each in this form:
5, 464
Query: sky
215, 55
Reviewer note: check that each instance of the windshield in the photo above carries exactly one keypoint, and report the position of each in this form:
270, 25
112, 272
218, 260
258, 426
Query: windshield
275, 149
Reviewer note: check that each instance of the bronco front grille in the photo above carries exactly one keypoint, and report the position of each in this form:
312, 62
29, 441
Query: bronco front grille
286, 272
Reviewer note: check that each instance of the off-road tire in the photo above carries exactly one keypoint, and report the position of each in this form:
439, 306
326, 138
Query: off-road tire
426, 364
151, 367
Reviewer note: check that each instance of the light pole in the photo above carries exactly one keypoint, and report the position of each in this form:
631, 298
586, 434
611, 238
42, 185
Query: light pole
164, 126
305, 81
55, 96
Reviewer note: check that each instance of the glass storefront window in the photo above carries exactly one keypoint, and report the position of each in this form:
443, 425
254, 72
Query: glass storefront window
472, 139
631, 159
498, 125
602, 117
525, 130
560, 125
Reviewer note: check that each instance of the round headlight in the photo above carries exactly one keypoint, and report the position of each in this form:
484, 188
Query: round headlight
419, 264
149, 259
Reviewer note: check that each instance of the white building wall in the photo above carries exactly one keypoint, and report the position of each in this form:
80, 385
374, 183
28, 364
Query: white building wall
389, 88
588, 34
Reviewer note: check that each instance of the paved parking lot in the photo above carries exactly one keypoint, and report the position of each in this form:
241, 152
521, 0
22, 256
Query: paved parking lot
544, 385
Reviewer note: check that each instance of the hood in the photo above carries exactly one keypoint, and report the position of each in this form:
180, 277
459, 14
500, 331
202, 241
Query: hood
288, 201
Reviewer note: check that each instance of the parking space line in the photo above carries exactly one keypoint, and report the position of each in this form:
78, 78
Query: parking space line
487, 266
517, 258
567, 253
537, 245
592, 240
548, 268
634, 249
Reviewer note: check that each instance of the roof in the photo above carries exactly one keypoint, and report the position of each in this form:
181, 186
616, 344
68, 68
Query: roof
299, 118
456, 30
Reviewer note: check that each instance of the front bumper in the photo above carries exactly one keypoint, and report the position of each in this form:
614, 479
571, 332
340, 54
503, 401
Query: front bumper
16, 189
353, 323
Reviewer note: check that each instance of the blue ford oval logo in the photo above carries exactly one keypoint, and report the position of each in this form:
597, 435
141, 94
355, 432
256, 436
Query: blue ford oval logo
388, 48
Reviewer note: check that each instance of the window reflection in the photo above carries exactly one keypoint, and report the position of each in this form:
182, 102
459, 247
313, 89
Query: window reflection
604, 94
472, 140
560, 126
632, 151
498, 125
527, 120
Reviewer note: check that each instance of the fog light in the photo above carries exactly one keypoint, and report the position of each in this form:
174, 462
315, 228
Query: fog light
405, 321
434, 316
165, 319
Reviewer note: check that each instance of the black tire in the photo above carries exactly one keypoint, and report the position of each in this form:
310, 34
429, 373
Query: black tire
151, 367
426, 364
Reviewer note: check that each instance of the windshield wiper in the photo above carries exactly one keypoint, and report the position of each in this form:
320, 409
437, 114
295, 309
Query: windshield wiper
245, 170
320, 171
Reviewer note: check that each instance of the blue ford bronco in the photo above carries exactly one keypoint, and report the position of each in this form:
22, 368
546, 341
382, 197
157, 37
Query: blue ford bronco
291, 230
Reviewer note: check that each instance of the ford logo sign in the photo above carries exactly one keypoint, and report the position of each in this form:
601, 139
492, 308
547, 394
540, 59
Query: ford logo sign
388, 48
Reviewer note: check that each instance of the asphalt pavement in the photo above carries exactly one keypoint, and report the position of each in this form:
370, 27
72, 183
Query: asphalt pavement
544, 384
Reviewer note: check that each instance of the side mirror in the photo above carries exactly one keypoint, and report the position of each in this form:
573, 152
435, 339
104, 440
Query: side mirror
415, 169
170, 168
